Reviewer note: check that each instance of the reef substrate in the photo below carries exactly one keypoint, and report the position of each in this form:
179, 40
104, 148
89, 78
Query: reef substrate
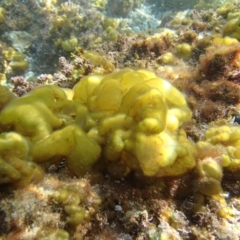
110, 132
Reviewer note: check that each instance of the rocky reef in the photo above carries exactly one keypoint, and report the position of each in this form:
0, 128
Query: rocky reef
119, 124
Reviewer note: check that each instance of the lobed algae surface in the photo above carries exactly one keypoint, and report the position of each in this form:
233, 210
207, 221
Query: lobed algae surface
128, 118
128, 122
120, 156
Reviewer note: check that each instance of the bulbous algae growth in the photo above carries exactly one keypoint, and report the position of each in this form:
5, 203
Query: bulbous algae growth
128, 118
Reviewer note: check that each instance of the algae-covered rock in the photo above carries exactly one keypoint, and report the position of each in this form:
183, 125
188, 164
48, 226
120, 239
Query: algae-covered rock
128, 117
232, 29
183, 50
20, 40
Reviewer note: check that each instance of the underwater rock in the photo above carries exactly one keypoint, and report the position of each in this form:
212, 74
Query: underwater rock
20, 40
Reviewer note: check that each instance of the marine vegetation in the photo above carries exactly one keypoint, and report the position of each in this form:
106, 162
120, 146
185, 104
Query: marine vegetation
119, 124
129, 118
124, 122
